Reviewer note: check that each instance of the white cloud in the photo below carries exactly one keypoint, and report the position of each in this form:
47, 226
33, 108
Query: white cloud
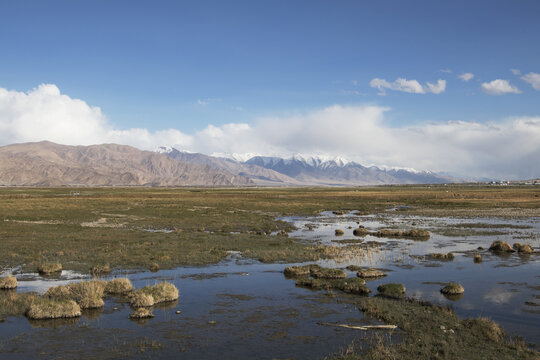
446, 71
533, 79
466, 76
408, 86
515, 72
499, 87
44, 113
503, 149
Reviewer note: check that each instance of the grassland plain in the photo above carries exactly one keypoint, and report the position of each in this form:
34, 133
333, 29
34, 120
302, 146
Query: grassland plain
127, 228
140, 227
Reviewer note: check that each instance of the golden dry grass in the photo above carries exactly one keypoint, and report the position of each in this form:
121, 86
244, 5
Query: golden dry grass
142, 313
453, 289
119, 286
43, 308
49, 268
8, 282
161, 292
139, 299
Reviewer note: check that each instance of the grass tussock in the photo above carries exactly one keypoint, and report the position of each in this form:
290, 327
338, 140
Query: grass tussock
414, 234
339, 232
348, 285
392, 290
8, 282
154, 267
500, 246
139, 299
441, 256
298, 271
14, 304
141, 313
361, 231
100, 269
453, 289
370, 273
87, 294
523, 248
477, 258
319, 272
43, 308
49, 268
119, 286
162, 292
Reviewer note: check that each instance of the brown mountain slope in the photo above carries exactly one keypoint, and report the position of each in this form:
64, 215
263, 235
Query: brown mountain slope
49, 164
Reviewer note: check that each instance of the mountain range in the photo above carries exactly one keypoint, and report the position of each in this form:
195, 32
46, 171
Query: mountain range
49, 164
308, 170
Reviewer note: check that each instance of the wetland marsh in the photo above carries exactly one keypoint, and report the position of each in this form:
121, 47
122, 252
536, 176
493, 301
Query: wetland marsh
226, 250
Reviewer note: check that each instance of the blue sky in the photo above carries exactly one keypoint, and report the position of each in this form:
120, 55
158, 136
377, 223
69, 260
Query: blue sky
188, 65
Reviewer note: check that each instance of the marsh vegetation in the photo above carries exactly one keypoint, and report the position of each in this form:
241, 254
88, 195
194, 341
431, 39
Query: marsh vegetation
246, 239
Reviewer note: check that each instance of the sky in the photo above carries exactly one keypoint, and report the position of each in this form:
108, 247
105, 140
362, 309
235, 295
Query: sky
449, 86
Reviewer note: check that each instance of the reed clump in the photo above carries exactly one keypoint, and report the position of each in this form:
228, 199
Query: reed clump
162, 292
500, 246
453, 289
119, 286
523, 248
441, 256
141, 313
49, 268
392, 290
370, 273
44, 308
8, 282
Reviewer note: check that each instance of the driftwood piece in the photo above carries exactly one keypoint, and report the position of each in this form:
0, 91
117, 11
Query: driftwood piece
361, 327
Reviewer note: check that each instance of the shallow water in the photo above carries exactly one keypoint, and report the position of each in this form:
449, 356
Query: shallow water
243, 309
505, 288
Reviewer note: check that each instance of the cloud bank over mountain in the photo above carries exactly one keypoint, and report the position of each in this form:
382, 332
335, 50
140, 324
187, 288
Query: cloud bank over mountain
509, 148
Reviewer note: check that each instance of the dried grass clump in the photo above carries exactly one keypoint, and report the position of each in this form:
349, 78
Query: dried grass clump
339, 232
338, 212
88, 294
410, 234
453, 289
392, 290
43, 308
477, 258
489, 328
361, 231
370, 273
140, 299
8, 282
501, 246
352, 286
326, 273
441, 256
297, 271
58, 292
142, 313
523, 248
161, 292
349, 285
120, 286
154, 267
100, 269
49, 268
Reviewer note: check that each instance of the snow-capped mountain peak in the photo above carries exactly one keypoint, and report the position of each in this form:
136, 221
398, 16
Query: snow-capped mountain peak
164, 149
